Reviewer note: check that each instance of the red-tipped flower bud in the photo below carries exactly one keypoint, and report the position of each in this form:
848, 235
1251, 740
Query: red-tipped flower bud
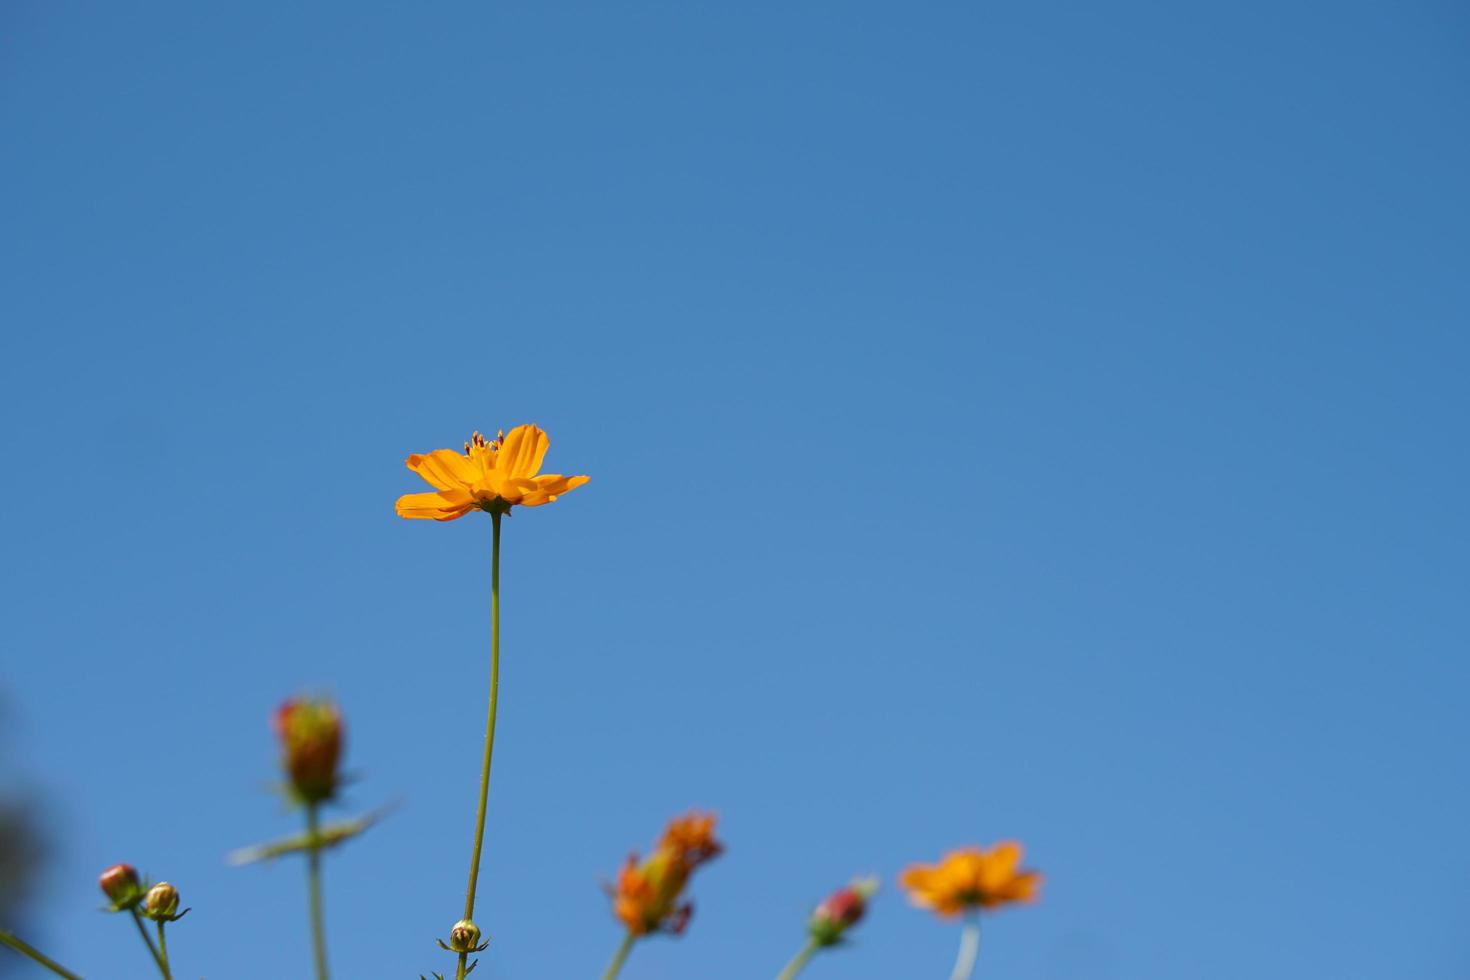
311, 743
841, 910
161, 902
121, 886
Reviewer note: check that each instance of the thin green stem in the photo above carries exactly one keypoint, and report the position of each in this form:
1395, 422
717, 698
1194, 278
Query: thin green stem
163, 953
616, 965
314, 887
799, 961
964, 964
26, 949
469, 895
147, 941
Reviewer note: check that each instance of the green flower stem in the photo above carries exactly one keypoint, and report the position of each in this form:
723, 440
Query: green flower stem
964, 964
147, 941
616, 965
26, 949
314, 887
469, 895
163, 953
799, 961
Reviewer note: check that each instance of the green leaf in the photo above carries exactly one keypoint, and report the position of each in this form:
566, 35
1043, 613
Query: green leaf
327, 837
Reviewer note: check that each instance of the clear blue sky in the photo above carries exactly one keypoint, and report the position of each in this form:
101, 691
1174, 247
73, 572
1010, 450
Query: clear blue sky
1004, 419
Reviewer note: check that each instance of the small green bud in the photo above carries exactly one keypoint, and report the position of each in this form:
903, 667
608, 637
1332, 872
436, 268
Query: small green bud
464, 937
161, 902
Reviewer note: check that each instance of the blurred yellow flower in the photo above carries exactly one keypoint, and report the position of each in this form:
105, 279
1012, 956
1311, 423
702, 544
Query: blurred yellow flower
491, 475
647, 895
972, 878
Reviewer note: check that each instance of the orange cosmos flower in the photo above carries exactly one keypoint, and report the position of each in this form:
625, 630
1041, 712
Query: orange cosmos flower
972, 878
491, 475
646, 898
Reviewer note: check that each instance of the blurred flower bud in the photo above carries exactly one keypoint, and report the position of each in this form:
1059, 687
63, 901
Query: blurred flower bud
465, 937
121, 886
161, 902
311, 743
840, 911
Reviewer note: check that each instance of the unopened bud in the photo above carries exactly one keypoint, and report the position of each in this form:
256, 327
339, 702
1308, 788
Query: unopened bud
161, 902
464, 937
311, 744
840, 911
120, 884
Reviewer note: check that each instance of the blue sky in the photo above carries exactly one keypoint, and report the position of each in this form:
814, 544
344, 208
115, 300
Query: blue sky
1005, 420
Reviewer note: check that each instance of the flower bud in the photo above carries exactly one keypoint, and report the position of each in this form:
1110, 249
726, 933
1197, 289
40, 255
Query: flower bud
840, 911
464, 937
161, 902
311, 743
121, 886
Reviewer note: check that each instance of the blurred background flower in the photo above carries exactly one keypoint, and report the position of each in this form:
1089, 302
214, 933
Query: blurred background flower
972, 878
311, 734
647, 896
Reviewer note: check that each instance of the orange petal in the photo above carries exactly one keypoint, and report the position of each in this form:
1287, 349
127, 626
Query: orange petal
919, 880
550, 486
522, 451
915, 876
962, 870
444, 469
488, 485
1025, 887
443, 506
999, 866
514, 489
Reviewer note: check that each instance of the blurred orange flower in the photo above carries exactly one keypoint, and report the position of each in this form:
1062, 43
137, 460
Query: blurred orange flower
972, 878
646, 898
490, 475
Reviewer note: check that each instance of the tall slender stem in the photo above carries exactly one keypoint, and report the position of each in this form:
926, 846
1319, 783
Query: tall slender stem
469, 895
26, 949
964, 964
314, 887
163, 953
616, 965
153, 951
799, 960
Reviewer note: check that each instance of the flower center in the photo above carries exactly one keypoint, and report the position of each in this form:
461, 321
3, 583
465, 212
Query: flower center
480, 442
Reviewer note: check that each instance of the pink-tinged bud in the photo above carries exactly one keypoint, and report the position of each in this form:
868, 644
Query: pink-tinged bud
121, 886
161, 902
840, 911
311, 744
845, 907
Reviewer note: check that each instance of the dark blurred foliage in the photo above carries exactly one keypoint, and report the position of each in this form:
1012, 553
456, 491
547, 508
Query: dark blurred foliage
21, 853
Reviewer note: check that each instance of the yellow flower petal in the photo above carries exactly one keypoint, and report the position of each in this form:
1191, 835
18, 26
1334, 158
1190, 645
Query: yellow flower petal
1025, 887
444, 469
445, 505
999, 866
548, 487
919, 881
962, 870
521, 452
